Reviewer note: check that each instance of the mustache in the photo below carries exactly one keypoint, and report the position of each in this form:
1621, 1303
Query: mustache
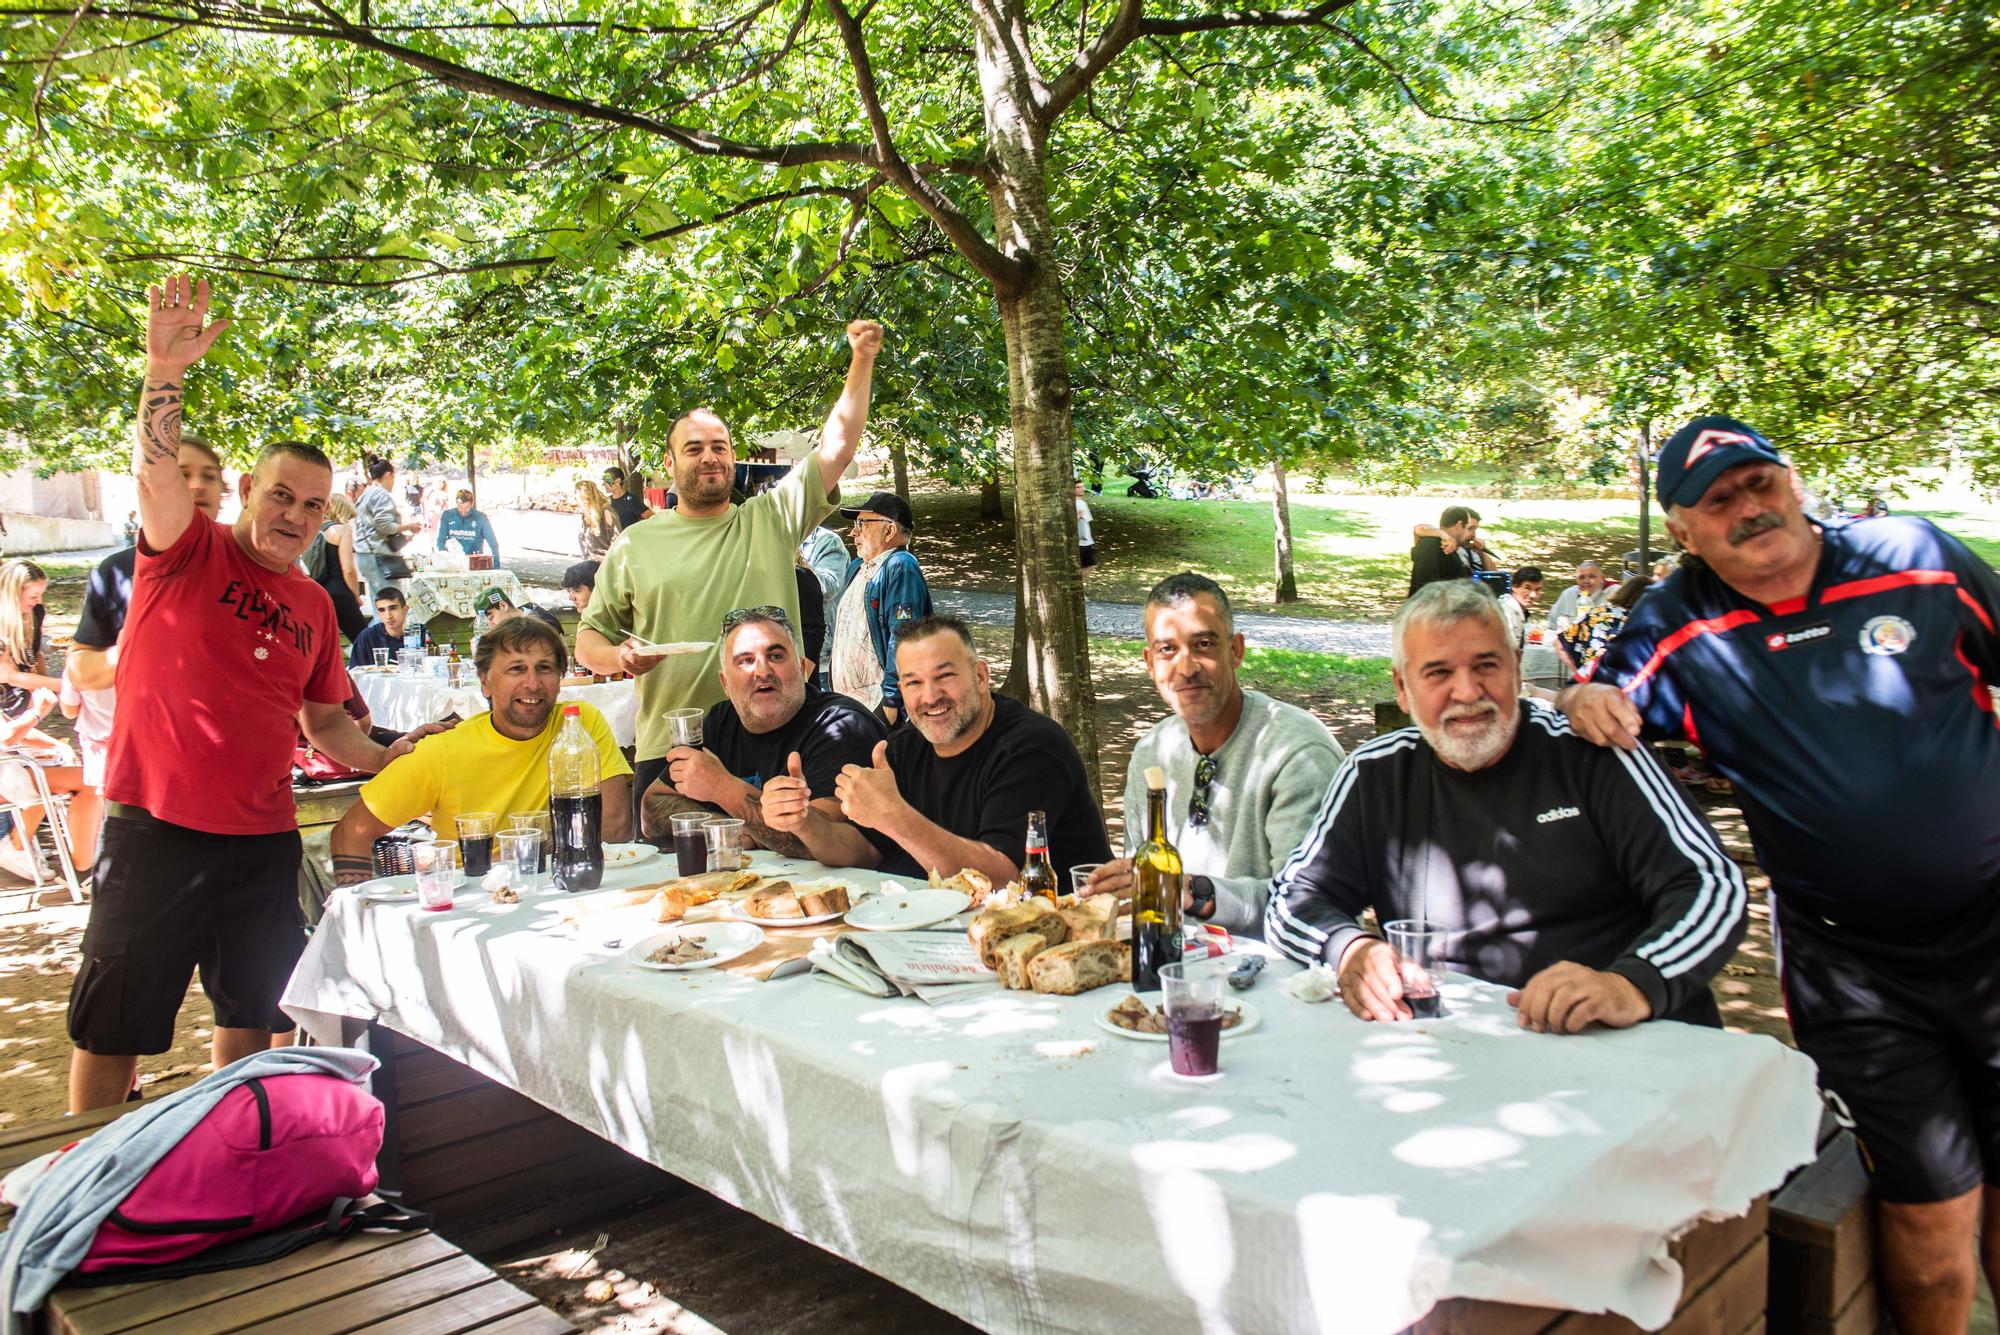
1485, 709
1750, 528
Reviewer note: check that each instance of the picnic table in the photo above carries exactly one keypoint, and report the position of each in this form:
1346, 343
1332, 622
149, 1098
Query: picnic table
1006, 1158
404, 702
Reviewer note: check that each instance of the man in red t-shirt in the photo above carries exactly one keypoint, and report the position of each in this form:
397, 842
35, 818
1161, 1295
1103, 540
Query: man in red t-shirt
227, 650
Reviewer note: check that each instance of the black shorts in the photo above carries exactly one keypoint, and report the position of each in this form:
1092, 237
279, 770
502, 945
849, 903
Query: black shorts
1086, 556
170, 900
1906, 1034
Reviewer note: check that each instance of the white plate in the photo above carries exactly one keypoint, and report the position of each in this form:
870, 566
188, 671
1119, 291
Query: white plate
624, 855
675, 648
726, 939
736, 912
1250, 1018
907, 910
395, 889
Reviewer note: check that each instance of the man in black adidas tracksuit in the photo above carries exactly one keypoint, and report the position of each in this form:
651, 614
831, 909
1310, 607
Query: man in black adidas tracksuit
1574, 873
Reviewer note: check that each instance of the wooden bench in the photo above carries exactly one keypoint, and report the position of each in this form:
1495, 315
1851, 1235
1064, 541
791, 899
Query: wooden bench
1724, 1267
382, 1283
1823, 1246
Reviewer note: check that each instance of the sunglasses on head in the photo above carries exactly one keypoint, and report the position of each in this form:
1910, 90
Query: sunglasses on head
744, 615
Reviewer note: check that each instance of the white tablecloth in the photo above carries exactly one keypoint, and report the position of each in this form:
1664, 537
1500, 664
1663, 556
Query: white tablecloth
1011, 1162
432, 592
402, 703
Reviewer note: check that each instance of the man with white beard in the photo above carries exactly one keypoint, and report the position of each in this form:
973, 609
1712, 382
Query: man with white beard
1577, 875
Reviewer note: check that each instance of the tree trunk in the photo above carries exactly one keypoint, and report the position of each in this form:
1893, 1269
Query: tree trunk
623, 434
1051, 668
1645, 501
471, 476
1051, 665
1281, 513
989, 497
899, 465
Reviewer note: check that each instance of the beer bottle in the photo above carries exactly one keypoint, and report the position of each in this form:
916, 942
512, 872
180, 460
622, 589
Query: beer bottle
1037, 876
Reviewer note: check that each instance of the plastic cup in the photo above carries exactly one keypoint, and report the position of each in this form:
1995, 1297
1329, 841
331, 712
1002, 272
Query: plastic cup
410, 662
1079, 876
437, 873
520, 851
535, 820
475, 841
690, 841
1192, 994
381, 659
684, 726
725, 843
1414, 943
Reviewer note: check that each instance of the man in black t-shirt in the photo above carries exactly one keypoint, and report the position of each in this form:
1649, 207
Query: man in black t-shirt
1430, 562
774, 725
1577, 875
954, 790
628, 508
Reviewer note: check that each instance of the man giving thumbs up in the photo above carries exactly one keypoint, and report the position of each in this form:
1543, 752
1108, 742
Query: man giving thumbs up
774, 727
955, 789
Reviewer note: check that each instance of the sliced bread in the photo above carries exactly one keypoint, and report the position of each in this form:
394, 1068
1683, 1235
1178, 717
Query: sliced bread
1079, 966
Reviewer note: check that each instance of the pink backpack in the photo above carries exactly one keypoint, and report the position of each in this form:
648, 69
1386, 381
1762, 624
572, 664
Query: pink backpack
272, 1150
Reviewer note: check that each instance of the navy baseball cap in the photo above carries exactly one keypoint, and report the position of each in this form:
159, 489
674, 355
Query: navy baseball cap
1702, 451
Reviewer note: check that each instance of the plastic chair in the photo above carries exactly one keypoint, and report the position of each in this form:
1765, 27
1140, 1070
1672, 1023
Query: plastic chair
55, 820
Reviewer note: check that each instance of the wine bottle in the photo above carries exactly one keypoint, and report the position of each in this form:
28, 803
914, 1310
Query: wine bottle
1037, 876
1156, 902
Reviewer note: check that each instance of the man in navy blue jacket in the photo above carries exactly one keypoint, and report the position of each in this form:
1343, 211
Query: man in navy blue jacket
1838, 673
884, 591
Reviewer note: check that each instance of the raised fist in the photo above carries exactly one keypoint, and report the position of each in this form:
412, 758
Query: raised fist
865, 337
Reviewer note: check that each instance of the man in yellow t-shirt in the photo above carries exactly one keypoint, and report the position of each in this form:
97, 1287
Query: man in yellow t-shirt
497, 762
673, 578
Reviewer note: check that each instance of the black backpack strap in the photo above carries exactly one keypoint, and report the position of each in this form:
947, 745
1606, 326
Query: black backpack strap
389, 1216
344, 1216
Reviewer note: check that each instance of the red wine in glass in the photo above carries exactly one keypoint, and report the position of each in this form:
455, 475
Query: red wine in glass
1194, 1043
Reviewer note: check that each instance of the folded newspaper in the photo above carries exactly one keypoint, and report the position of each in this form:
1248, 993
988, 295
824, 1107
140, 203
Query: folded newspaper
934, 966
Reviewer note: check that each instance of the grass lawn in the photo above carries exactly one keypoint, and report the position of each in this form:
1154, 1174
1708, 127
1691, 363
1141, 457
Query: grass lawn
1977, 529
1351, 554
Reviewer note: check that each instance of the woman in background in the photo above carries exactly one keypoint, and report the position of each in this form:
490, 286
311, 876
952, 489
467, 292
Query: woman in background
27, 694
337, 572
599, 525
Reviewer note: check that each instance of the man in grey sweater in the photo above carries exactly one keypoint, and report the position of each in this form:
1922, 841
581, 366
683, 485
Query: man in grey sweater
1245, 773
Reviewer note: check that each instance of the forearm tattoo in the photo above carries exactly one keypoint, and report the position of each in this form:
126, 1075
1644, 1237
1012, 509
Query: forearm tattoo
160, 422
350, 868
781, 842
660, 803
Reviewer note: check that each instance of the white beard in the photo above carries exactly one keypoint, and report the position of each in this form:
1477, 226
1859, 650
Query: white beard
1466, 750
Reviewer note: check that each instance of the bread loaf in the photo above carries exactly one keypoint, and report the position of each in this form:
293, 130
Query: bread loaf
974, 884
1011, 957
1093, 919
773, 899
820, 899
993, 926
1079, 966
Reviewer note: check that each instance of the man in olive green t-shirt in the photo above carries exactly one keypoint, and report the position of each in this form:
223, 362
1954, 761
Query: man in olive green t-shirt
675, 576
